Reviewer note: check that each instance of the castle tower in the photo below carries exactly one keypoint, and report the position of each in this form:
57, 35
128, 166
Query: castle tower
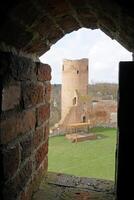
74, 85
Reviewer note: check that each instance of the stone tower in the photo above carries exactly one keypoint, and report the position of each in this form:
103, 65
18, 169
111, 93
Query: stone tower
74, 89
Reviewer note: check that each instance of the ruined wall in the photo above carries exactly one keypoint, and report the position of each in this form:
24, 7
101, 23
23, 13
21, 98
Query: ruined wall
24, 128
103, 113
74, 77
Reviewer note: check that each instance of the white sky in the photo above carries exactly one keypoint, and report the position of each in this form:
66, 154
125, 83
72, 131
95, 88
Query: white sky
104, 55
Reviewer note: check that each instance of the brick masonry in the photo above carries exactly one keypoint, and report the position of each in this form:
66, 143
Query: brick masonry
24, 127
103, 113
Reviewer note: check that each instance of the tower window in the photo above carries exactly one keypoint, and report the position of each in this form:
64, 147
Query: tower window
62, 67
84, 119
74, 101
77, 71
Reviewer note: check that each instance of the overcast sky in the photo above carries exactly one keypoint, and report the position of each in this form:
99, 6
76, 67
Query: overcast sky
103, 53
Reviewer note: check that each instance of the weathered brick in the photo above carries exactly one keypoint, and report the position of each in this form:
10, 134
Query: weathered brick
13, 188
27, 193
45, 164
11, 96
25, 174
26, 147
47, 92
16, 124
32, 94
40, 172
41, 154
38, 137
46, 132
11, 161
43, 113
23, 68
44, 72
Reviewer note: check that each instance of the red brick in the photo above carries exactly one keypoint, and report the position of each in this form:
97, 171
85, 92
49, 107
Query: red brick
38, 137
25, 173
40, 173
37, 178
44, 72
46, 132
45, 164
11, 161
41, 154
26, 147
43, 113
32, 94
17, 124
22, 68
59, 10
47, 92
27, 193
11, 96
14, 187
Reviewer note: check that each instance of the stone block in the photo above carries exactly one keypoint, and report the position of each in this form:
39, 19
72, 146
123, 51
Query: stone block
58, 11
69, 23
11, 96
16, 124
38, 137
41, 154
26, 147
47, 92
25, 174
22, 68
15, 186
45, 164
38, 176
11, 189
43, 113
27, 193
44, 72
46, 132
32, 94
11, 161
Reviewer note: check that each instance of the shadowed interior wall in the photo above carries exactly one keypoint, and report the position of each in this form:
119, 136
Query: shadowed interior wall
24, 125
32, 27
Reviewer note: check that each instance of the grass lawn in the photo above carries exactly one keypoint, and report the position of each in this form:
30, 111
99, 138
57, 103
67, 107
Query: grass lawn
94, 158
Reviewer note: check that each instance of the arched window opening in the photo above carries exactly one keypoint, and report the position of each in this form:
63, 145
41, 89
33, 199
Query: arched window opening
99, 102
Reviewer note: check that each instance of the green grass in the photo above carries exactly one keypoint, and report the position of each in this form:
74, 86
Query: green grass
94, 158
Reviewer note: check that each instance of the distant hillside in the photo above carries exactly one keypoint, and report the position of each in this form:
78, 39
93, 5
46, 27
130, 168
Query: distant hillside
107, 91
103, 90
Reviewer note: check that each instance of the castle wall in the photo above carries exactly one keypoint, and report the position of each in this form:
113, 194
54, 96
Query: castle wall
103, 113
24, 127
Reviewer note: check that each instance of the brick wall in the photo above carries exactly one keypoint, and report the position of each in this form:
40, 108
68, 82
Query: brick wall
24, 127
100, 114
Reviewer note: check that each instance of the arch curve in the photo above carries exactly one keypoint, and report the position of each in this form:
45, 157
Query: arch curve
33, 26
